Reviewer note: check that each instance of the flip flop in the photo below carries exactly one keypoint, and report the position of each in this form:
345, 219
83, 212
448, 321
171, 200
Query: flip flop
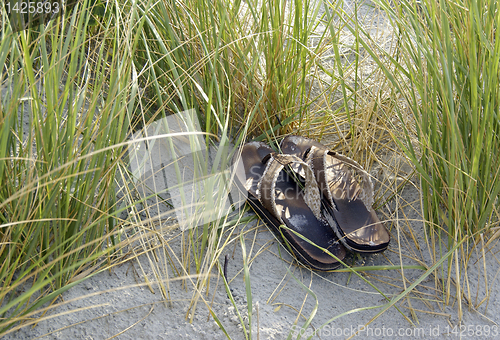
279, 201
348, 190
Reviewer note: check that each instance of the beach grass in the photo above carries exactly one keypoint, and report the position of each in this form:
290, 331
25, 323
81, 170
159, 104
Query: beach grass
448, 75
423, 107
58, 161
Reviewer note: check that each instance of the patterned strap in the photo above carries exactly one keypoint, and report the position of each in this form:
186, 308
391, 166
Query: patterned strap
267, 184
346, 178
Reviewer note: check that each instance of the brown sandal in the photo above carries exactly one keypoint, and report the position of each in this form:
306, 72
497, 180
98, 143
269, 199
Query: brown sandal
348, 190
279, 201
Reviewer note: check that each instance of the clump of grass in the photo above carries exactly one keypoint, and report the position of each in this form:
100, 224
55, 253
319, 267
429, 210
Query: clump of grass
242, 68
246, 63
66, 100
446, 68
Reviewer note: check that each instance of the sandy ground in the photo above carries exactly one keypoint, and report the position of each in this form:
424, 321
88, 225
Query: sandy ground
117, 304
111, 304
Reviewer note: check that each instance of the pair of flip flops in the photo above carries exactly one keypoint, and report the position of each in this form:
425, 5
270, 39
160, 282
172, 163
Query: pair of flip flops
323, 196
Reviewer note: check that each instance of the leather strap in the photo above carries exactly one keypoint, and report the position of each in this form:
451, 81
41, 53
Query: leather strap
345, 179
267, 184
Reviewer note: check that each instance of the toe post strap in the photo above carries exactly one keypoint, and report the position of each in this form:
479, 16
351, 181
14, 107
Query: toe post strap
266, 186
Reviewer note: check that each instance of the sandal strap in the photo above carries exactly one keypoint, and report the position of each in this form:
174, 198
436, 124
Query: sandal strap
267, 184
356, 182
